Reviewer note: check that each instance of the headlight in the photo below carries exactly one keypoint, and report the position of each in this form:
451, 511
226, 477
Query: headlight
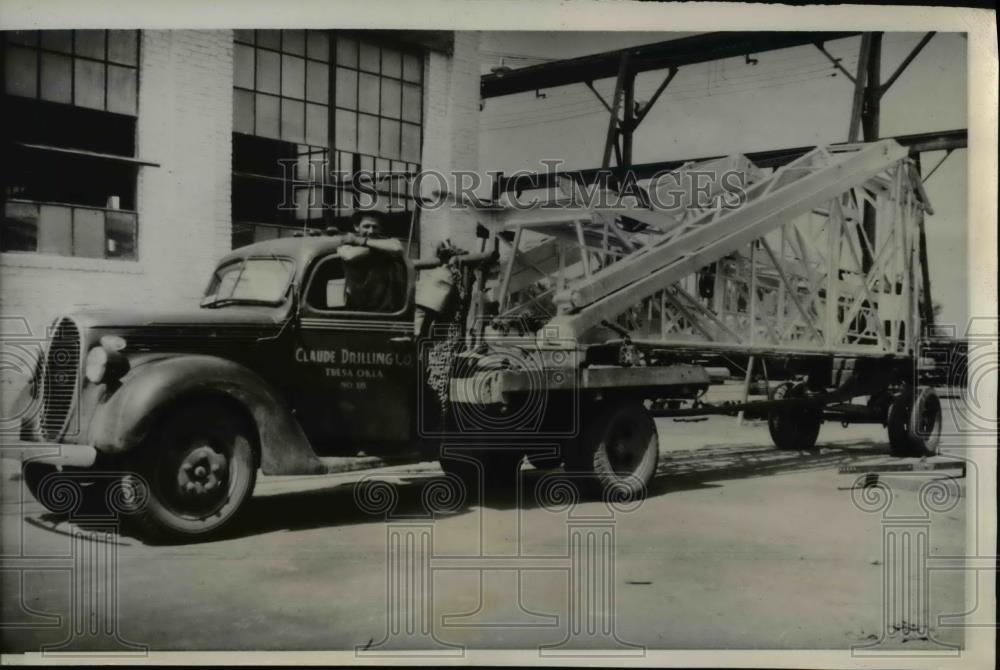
103, 366
113, 342
97, 364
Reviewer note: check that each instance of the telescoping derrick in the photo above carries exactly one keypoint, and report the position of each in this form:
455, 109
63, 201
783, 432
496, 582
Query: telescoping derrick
814, 257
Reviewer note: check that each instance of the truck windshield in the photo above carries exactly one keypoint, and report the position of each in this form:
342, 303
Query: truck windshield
253, 281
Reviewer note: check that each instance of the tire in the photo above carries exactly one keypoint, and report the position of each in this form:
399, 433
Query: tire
197, 471
914, 423
619, 450
897, 422
51, 489
926, 421
797, 428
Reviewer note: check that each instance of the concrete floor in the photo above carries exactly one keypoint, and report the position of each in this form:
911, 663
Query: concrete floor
737, 546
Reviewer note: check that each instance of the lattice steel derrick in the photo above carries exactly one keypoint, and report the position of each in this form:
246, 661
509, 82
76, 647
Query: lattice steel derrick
784, 269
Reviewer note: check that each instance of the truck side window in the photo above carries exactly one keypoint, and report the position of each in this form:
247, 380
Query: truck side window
376, 283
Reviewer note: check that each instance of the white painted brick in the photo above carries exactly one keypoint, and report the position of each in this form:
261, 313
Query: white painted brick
451, 134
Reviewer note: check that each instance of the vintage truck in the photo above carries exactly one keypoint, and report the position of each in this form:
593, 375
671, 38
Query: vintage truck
275, 371
567, 332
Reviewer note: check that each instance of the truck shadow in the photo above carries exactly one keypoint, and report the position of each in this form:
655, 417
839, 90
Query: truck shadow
430, 496
679, 470
423, 496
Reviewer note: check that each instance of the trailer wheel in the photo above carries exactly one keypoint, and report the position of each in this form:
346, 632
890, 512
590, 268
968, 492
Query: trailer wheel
619, 447
914, 423
197, 473
795, 428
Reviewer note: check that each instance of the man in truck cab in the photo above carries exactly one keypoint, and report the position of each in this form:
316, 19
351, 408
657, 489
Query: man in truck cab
375, 280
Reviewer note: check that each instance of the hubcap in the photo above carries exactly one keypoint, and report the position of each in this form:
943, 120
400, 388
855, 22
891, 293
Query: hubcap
202, 475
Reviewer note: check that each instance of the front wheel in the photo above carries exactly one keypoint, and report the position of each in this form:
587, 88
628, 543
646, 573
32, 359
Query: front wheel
198, 470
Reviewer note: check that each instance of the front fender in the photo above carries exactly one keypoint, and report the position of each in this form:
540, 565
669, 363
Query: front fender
126, 418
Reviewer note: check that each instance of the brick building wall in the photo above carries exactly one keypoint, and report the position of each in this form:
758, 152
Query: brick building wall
184, 203
184, 125
451, 136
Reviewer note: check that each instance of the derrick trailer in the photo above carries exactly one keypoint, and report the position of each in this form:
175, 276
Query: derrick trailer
803, 280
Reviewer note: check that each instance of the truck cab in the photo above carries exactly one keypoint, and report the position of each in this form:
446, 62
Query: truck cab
344, 360
294, 354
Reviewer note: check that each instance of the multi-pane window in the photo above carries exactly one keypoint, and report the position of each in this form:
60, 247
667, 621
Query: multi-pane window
280, 120
281, 85
71, 100
336, 103
378, 101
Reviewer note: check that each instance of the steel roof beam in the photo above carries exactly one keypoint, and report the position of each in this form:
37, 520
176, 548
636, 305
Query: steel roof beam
657, 56
947, 140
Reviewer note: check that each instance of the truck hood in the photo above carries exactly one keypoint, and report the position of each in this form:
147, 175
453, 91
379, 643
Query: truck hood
191, 330
232, 315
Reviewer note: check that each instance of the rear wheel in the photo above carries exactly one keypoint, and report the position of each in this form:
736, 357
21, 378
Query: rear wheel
914, 423
619, 448
197, 472
793, 427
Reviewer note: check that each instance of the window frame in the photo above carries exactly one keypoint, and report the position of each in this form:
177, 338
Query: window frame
73, 208
378, 115
307, 306
35, 41
280, 94
242, 260
348, 161
73, 55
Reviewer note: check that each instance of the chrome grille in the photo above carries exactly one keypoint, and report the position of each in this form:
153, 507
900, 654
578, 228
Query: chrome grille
60, 378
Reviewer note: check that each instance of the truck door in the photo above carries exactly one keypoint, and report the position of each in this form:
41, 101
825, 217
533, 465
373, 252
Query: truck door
355, 355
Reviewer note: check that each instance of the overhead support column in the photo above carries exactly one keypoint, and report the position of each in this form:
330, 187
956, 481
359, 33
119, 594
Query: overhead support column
621, 130
926, 303
860, 78
871, 111
628, 120
867, 107
614, 130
